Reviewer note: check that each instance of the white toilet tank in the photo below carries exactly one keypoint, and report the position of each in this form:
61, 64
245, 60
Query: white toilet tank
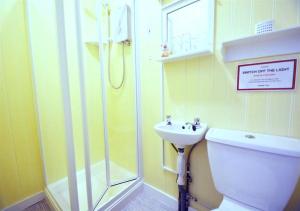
257, 170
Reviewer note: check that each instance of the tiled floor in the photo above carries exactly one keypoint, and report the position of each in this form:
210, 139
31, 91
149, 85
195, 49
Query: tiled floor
41, 206
146, 202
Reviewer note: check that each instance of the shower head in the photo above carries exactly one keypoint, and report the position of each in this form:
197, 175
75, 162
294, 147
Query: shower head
106, 6
105, 3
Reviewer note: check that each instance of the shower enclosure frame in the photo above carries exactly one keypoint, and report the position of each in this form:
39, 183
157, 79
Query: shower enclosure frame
64, 81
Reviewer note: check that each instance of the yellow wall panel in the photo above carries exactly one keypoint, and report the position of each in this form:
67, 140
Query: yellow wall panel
94, 103
223, 16
121, 109
20, 162
241, 11
256, 112
286, 14
9, 168
278, 113
46, 71
261, 10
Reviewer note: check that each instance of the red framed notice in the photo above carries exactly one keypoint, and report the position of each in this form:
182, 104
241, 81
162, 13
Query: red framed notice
273, 75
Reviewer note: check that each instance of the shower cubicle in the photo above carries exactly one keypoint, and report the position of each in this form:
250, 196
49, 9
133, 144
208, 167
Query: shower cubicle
86, 83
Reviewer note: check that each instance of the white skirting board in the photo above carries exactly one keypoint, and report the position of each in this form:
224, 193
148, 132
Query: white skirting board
25, 203
51, 201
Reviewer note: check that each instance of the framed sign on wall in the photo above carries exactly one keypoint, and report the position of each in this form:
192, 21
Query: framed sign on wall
272, 75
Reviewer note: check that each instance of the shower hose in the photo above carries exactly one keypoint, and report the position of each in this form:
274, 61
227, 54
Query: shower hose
109, 69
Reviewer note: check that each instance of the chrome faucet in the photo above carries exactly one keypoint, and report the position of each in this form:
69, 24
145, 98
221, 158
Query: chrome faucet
195, 124
197, 121
168, 120
189, 123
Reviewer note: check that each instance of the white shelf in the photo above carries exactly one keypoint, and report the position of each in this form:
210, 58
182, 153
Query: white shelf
280, 42
91, 42
188, 55
90, 11
94, 42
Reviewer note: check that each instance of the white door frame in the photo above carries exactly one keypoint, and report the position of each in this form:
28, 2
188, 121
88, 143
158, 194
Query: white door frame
65, 89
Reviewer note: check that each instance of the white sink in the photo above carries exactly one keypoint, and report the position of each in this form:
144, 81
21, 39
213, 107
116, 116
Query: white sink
180, 134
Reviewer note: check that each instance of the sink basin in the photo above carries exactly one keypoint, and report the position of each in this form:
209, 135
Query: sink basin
180, 134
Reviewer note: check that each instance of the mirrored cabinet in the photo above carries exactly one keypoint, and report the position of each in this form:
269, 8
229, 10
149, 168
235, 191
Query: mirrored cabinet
187, 29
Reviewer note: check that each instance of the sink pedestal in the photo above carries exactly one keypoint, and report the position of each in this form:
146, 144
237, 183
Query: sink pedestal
180, 166
181, 171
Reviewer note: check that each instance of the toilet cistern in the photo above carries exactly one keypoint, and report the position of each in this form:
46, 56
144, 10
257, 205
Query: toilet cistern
253, 171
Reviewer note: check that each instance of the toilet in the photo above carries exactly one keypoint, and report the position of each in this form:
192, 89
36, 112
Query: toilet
253, 171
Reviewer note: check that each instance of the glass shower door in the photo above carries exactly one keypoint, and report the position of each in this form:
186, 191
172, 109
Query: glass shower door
49, 98
110, 111
85, 77
55, 50
120, 92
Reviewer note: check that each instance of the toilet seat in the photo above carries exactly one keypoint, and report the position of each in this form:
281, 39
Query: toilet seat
231, 205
